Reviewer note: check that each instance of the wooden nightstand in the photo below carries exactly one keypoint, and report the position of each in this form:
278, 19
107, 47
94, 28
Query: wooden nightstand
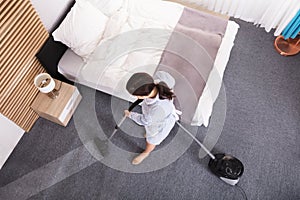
60, 109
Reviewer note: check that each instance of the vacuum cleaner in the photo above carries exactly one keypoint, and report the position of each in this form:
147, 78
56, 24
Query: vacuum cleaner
228, 168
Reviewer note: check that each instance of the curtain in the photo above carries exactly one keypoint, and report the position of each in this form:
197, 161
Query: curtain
264, 13
293, 28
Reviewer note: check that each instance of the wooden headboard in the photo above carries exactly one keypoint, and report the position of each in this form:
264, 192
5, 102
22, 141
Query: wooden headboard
21, 36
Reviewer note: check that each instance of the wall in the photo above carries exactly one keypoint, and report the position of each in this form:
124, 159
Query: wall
49, 11
10, 135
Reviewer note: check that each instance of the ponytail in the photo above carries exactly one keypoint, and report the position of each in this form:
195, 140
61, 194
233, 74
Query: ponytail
164, 91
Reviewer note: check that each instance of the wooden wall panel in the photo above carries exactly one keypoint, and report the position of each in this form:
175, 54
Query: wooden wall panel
21, 36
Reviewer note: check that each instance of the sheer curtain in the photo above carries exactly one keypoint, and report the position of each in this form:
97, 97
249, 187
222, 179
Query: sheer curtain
264, 13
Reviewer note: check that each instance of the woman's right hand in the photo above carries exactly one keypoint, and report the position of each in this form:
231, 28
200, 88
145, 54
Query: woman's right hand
126, 113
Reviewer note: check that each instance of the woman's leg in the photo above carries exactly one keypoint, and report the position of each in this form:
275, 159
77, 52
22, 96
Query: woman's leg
149, 148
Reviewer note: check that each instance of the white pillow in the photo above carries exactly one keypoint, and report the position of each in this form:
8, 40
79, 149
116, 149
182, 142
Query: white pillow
82, 29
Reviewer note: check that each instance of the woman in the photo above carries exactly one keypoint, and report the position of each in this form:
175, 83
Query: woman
158, 111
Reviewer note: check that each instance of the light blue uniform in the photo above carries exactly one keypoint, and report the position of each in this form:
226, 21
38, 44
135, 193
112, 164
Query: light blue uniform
158, 115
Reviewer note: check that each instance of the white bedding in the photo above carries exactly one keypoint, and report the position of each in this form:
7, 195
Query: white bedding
109, 60
120, 54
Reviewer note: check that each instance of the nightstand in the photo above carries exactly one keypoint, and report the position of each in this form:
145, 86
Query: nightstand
60, 109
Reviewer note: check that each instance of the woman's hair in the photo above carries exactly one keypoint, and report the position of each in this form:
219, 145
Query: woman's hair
142, 84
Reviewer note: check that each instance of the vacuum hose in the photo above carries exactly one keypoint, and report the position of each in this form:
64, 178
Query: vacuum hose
201, 145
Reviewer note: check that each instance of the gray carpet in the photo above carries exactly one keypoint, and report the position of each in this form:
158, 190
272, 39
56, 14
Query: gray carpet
261, 129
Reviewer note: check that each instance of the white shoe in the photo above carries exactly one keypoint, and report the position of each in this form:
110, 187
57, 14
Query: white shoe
137, 160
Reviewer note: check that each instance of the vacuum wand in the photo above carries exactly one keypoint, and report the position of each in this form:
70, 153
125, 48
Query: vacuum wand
134, 104
198, 142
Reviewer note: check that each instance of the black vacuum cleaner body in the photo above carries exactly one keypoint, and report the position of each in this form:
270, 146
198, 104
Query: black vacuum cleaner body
228, 168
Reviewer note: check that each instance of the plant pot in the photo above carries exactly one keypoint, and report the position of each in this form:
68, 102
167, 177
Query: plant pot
287, 47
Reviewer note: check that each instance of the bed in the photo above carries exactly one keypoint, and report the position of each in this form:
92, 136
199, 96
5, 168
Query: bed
108, 41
